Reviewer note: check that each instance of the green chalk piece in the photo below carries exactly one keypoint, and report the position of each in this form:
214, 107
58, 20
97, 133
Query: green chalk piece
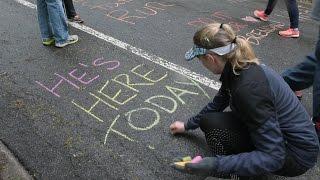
187, 158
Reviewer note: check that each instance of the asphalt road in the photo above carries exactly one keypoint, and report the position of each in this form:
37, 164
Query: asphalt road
99, 110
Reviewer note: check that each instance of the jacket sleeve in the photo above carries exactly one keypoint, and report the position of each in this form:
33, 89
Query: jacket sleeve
219, 103
256, 105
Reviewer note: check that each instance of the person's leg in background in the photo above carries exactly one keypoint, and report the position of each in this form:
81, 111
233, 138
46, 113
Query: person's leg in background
317, 52
316, 89
293, 12
301, 76
316, 98
307, 74
71, 12
58, 20
44, 23
263, 15
270, 6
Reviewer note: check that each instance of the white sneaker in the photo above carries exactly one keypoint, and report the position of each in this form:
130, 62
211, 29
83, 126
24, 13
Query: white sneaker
71, 40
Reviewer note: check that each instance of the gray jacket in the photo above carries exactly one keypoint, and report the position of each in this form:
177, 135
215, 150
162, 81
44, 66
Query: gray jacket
315, 14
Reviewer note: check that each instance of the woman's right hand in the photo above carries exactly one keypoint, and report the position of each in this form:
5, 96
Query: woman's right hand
177, 127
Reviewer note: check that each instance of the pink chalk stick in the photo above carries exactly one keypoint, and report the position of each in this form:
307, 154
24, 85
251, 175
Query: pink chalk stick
196, 159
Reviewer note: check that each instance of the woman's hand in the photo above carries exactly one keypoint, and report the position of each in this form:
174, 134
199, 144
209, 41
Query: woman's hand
204, 166
177, 127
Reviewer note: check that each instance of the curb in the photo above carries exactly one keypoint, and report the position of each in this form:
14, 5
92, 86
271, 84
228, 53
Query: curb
10, 168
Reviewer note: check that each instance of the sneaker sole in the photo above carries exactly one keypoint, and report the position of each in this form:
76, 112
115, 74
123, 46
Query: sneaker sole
290, 36
260, 17
67, 44
48, 43
79, 22
76, 21
45, 44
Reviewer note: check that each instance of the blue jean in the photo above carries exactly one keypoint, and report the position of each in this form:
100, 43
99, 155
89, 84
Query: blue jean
52, 20
292, 9
307, 74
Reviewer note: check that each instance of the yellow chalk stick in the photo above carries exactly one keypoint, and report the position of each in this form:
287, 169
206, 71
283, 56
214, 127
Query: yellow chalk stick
182, 164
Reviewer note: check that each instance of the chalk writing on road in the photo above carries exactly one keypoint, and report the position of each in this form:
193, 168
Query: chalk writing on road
109, 65
304, 13
117, 10
118, 96
250, 19
218, 16
254, 36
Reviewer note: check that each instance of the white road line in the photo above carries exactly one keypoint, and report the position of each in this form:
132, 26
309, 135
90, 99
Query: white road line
26, 3
140, 52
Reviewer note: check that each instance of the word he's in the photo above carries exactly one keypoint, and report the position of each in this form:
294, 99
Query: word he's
77, 77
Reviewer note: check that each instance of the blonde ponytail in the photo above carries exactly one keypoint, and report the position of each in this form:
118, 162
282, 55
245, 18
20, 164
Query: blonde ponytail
217, 35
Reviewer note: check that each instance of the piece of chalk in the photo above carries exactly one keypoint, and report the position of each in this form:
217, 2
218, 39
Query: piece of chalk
196, 159
187, 158
181, 164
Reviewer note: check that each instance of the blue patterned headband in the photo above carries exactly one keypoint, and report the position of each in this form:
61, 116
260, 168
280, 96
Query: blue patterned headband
197, 51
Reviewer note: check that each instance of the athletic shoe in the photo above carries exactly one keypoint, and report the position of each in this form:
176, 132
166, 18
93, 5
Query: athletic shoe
71, 40
290, 33
48, 42
260, 15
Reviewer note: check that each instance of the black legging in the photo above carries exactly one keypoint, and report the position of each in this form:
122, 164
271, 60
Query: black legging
226, 134
292, 9
70, 11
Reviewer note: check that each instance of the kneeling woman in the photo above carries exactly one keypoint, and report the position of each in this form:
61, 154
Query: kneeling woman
268, 131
